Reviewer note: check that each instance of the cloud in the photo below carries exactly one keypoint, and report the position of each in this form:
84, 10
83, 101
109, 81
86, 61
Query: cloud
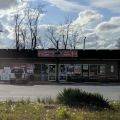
88, 16
1, 27
111, 26
113, 5
103, 35
66, 5
6, 4
106, 26
100, 34
110, 31
8, 8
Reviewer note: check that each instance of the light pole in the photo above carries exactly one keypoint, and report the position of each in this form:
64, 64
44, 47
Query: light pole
57, 53
84, 43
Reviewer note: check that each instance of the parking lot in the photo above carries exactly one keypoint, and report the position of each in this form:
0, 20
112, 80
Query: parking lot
16, 92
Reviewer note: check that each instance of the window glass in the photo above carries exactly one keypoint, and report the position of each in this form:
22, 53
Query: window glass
62, 69
44, 72
101, 69
85, 70
78, 69
52, 72
112, 68
93, 70
70, 69
62, 72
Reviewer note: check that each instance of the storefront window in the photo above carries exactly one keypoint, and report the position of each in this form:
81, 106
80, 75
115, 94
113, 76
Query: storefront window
85, 70
93, 70
52, 72
78, 69
112, 68
101, 69
70, 69
44, 72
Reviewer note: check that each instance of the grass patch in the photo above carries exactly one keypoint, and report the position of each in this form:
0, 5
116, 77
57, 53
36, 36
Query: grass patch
79, 98
23, 110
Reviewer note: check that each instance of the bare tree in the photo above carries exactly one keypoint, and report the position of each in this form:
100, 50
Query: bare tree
33, 16
26, 27
18, 22
65, 33
74, 39
53, 35
42, 43
59, 35
23, 37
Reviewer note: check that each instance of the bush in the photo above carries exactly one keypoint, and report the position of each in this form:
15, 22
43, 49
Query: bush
77, 98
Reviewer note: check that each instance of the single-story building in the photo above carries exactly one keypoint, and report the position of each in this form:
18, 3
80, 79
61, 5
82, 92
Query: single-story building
60, 65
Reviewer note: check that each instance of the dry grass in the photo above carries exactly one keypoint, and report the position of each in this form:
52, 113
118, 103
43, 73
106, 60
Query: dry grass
26, 110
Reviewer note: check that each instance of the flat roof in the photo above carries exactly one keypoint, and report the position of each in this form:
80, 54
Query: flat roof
82, 54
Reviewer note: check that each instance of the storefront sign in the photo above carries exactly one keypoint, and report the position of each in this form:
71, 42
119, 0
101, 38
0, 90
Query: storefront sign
54, 53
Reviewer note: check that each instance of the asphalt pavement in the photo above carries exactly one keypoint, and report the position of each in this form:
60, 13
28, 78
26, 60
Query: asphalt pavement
17, 92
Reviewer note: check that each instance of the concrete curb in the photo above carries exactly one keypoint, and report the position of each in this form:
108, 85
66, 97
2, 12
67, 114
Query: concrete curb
63, 83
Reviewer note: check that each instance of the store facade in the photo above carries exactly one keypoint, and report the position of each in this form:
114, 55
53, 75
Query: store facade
65, 65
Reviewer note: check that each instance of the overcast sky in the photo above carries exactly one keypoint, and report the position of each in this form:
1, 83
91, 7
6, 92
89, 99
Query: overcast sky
99, 19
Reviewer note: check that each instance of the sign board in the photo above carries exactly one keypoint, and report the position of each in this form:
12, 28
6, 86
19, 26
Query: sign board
62, 53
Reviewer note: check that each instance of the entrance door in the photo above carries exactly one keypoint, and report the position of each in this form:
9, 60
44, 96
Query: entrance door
62, 72
52, 72
44, 72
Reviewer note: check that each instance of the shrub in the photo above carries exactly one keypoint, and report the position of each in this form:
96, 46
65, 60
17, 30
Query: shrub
77, 97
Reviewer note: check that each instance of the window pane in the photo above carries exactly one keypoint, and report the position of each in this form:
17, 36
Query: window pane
112, 68
62, 72
78, 69
93, 70
44, 72
101, 69
85, 70
52, 72
70, 69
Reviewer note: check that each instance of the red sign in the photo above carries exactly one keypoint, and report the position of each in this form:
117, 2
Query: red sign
62, 53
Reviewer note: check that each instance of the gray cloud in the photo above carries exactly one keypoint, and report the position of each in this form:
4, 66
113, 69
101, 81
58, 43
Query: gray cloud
88, 16
112, 5
6, 4
1, 26
105, 26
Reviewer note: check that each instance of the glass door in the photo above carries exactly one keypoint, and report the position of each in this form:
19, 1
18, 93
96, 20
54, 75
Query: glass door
52, 72
62, 72
44, 72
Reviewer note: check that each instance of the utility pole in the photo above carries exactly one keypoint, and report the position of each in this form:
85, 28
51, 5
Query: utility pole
57, 61
84, 43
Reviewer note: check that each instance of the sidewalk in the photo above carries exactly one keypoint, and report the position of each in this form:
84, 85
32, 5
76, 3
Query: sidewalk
63, 83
